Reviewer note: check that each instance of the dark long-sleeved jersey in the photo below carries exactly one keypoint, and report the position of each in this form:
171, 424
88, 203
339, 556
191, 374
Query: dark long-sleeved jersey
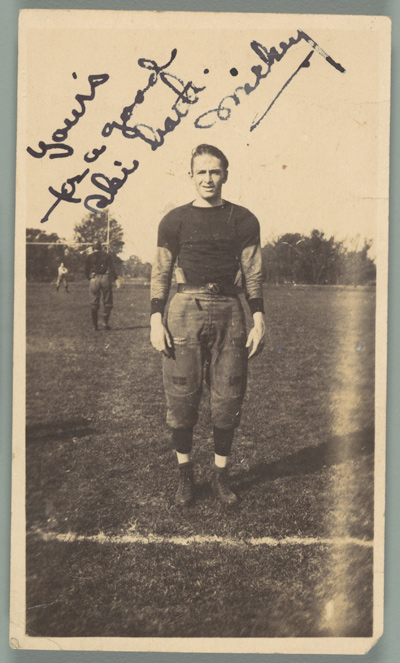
100, 262
210, 245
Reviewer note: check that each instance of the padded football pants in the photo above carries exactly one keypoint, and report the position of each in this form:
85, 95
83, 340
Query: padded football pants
101, 285
209, 339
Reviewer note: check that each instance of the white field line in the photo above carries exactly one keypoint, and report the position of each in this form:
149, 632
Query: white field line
71, 537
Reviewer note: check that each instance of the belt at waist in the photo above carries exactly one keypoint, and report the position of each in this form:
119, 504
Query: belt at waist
210, 289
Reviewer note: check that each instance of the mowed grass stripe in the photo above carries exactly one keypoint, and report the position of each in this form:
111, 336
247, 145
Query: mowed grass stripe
71, 537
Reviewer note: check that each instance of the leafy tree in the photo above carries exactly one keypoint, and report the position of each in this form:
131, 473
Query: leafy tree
356, 268
270, 263
94, 227
74, 259
316, 259
136, 268
322, 258
44, 252
290, 258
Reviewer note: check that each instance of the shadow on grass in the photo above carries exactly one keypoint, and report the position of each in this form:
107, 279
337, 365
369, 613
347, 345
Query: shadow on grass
66, 429
334, 451
119, 329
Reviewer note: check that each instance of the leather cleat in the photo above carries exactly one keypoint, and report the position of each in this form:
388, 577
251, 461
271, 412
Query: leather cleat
220, 487
185, 493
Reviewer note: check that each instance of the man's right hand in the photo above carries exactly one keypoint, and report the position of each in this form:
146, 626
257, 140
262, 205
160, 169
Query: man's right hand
159, 335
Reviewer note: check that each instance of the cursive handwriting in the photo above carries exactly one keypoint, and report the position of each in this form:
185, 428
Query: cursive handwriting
45, 147
61, 135
187, 94
96, 152
302, 65
109, 186
157, 72
155, 137
64, 194
268, 56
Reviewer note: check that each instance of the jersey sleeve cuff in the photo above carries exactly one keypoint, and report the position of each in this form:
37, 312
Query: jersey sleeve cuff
256, 305
158, 306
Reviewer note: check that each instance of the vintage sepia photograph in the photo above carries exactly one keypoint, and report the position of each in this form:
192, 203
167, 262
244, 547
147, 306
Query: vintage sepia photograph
200, 332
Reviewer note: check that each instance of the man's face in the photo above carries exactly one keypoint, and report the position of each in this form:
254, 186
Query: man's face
208, 176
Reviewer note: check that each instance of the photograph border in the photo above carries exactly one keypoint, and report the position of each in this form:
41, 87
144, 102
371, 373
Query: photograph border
8, 188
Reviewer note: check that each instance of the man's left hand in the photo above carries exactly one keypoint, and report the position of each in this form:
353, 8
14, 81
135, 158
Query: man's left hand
256, 335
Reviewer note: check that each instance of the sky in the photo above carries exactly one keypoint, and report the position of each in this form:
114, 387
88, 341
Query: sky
317, 159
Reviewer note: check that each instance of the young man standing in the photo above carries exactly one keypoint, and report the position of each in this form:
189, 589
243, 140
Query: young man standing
100, 272
215, 245
62, 277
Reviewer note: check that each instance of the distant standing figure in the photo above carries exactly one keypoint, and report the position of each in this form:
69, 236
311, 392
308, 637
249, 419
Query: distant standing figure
62, 277
101, 273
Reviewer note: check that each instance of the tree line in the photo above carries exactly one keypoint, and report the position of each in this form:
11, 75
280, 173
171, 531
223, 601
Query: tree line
45, 252
292, 258
317, 260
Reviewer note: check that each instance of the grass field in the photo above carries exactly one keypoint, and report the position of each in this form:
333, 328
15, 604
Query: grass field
108, 552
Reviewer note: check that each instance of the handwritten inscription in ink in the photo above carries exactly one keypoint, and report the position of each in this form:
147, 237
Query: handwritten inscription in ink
61, 135
268, 56
186, 94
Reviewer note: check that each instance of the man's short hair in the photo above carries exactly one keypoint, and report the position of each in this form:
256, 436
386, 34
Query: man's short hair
97, 246
212, 151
